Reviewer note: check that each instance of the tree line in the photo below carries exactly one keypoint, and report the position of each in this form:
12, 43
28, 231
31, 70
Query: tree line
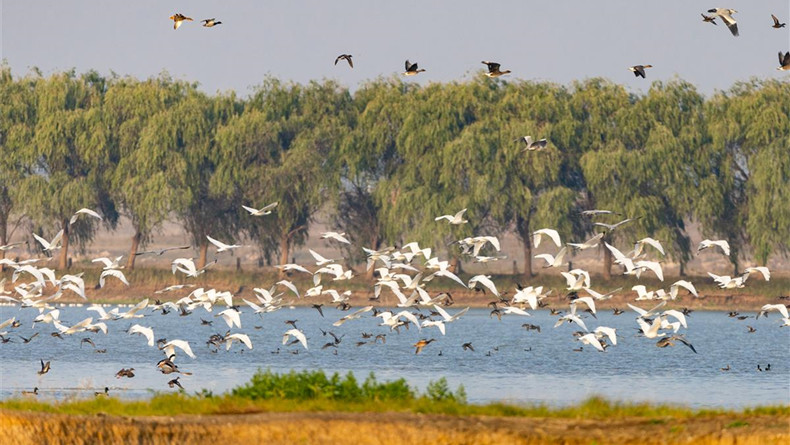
390, 157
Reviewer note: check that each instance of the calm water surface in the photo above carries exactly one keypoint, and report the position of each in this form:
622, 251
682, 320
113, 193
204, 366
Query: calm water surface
509, 363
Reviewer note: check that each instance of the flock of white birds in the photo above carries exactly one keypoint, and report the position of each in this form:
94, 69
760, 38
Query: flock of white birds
404, 272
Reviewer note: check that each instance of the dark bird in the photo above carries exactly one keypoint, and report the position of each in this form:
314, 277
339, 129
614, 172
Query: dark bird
292, 323
493, 69
31, 393
531, 327
726, 16
768, 367
346, 57
44, 368
617, 311
776, 24
88, 341
732, 314
125, 373
412, 70
382, 337
27, 340
742, 317
57, 335
173, 383
209, 23
468, 346
751, 329
727, 368
759, 368
708, 19
105, 393
496, 312
639, 70
784, 61
206, 322
329, 345
421, 344
178, 19
166, 366
670, 341
686, 311
5, 339
318, 308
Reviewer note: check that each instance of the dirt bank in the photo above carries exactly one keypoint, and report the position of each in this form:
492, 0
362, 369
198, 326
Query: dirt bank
21, 428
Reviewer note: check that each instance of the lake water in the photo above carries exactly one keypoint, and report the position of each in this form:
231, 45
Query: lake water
508, 364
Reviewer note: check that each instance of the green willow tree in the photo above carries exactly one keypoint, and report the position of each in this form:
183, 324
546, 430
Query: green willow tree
149, 180
17, 121
748, 126
71, 158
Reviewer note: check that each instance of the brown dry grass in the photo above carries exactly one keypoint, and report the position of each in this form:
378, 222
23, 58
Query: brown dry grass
20, 428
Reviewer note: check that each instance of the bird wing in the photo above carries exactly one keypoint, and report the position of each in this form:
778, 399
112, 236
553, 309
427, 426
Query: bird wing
586, 300
762, 269
409, 316
677, 314
654, 243
115, 273
448, 274
231, 317
551, 233
146, 332
591, 339
244, 338
652, 265
609, 332
687, 285
220, 245
181, 344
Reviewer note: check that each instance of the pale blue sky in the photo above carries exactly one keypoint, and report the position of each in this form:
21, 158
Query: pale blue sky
555, 40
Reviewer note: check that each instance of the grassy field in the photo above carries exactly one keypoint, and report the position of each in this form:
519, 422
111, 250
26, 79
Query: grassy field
313, 408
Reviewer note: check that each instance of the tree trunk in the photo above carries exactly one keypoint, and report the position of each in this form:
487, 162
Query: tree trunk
682, 271
3, 240
133, 252
283, 253
203, 254
527, 257
63, 263
607, 264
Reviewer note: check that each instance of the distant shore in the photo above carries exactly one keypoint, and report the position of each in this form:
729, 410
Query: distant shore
145, 282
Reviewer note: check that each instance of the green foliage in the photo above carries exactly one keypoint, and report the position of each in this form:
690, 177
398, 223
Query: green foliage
439, 391
309, 385
393, 156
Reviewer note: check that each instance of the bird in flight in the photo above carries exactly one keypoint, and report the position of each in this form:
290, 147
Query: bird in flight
784, 61
493, 69
346, 57
639, 70
178, 19
776, 24
726, 16
210, 23
709, 19
412, 70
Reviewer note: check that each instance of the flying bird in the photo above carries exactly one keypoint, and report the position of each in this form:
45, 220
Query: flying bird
346, 57
726, 16
266, 210
639, 70
456, 219
530, 145
412, 70
210, 23
776, 24
178, 19
493, 69
708, 19
784, 61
